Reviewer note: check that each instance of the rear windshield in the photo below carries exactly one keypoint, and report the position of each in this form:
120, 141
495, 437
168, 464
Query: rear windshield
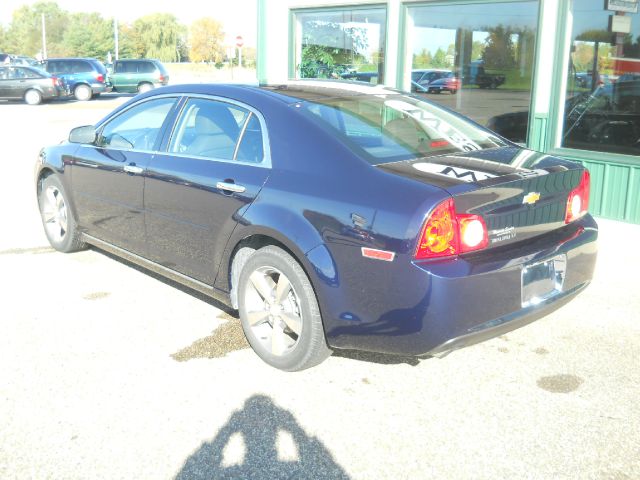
391, 127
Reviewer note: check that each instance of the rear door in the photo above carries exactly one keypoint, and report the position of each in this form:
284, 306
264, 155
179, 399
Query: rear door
216, 161
123, 77
6, 82
108, 177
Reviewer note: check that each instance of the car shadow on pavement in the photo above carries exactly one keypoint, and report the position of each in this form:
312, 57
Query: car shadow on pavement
261, 441
380, 358
189, 291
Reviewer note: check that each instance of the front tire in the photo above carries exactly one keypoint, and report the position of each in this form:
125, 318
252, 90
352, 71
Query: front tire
33, 97
83, 93
58, 220
279, 311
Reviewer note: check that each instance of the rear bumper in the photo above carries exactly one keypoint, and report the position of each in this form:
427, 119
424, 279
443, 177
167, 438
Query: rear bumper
500, 326
445, 305
100, 88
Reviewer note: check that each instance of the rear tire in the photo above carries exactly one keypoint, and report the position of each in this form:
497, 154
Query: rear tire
279, 311
453, 91
58, 220
33, 97
144, 87
83, 93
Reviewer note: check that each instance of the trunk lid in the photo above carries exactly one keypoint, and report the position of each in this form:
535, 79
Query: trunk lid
520, 193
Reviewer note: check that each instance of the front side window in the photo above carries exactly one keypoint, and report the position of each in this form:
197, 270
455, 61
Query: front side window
347, 44
602, 106
208, 128
476, 59
138, 127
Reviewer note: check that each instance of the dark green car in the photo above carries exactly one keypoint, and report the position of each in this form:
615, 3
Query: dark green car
139, 75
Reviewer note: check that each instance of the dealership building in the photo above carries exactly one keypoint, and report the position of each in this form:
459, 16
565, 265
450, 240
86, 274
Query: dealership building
557, 76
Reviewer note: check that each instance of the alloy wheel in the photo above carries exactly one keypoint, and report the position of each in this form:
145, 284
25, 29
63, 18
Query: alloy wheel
273, 310
54, 213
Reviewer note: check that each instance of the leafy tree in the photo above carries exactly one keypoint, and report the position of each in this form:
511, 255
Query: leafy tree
3, 39
88, 35
477, 50
440, 59
130, 44
499, 52
158, 36
25, 32
328, 46
206, 40
423, 59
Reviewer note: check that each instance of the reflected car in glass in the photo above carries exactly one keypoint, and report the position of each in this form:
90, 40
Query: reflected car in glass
607, 119
30, 84
332, 215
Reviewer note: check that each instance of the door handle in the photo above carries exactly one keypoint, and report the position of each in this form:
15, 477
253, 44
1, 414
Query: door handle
133, 169
230, 187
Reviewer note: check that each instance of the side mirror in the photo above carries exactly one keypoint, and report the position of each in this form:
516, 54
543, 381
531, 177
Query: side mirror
86, 135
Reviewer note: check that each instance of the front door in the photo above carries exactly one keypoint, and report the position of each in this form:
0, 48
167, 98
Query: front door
108, 177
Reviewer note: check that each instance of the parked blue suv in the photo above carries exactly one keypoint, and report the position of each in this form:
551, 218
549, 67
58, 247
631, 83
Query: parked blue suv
84, 77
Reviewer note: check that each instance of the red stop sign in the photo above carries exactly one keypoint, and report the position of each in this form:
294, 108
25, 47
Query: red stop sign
239, 41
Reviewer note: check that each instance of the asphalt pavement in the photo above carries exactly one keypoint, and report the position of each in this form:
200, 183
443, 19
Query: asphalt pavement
107, 372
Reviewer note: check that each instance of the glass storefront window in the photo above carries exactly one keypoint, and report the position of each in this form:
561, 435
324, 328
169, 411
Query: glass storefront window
476, 59
602, 107
341, 44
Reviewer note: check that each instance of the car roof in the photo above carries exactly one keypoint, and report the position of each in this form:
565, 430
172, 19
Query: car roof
292, 91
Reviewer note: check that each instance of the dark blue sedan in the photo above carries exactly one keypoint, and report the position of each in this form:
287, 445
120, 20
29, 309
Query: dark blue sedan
332, 215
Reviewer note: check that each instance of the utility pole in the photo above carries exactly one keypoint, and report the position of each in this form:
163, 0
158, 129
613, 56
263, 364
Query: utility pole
44, 39
115, 35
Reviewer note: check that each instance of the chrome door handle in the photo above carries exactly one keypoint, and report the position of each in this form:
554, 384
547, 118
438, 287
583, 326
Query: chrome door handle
230, 187
133, 169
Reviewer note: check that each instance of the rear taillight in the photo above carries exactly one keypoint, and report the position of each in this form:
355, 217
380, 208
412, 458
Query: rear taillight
473, 233
578, 201
161, 78
100, 77
447, 233
54, 81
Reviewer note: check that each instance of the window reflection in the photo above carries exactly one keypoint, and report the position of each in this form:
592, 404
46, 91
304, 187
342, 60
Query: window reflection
602, 108
344, 44
477, 60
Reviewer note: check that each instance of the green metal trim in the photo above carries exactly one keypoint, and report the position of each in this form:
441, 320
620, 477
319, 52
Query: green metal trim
560, 66
385, 50
537, 131
291, 73
261, 54
402, 46
595, 156
338, 8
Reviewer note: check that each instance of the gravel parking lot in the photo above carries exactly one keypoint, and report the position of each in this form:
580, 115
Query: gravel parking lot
107, 372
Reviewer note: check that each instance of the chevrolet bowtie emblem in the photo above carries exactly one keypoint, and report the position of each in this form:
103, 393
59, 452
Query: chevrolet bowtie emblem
531, 198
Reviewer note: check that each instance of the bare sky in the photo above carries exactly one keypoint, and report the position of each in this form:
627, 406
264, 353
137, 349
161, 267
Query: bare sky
237, 16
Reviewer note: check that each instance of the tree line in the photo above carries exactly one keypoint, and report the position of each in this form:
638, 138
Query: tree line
157, 35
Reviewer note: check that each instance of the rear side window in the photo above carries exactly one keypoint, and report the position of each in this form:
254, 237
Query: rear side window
251, 147
125, 67
138, 127
80, 66
208, 128
54, 67
146, 67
